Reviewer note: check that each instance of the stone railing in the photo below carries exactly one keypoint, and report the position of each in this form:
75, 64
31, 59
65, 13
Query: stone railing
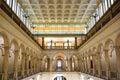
60, 47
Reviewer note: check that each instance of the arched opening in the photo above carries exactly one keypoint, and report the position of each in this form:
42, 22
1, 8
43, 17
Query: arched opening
111, 58
102, 55
19, 61
60, 78
1, 52
45, 63
117, 50
74, 63
59, 62
13, 53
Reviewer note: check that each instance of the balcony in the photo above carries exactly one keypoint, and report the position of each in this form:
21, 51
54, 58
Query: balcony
60, 47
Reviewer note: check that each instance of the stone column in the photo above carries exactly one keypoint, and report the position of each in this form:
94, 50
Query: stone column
107, 63
86, 65
83, 65
94, 64
30, 71
99, 64
70, 64
75, 42
117, 49
42, 42
15, 66
40, 63
78, 64
51, 43
50, 65
34, 65
38, 66
67, 44
88, 61
31, 64
27, 64
5, 64
23, 64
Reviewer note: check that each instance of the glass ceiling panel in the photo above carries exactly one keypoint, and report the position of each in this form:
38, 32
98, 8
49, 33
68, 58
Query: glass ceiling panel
59, 29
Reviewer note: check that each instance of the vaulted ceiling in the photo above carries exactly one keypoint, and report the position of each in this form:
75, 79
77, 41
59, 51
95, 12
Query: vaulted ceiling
59, 16
59, 11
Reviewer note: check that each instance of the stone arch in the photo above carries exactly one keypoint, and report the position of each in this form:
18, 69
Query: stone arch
108, 41
4, 44
6, 39
90, 60
111, 54
100, 59
117, 40
117, 50
60, 57
45, 63
30, 58
26, 65
60, 78
14, 51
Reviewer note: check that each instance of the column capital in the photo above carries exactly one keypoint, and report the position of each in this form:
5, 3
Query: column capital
106, 50
16, 50
116, 46
97, 52
6, 47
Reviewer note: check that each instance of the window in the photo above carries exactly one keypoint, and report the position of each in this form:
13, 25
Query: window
60, 78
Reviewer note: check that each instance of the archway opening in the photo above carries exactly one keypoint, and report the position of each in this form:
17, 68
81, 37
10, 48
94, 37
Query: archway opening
60, 78
59, 62
2, 51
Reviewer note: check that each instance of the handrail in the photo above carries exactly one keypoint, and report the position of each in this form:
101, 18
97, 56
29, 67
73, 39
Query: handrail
16, 19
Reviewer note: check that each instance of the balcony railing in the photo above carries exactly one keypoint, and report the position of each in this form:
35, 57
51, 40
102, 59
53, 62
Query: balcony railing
60, 47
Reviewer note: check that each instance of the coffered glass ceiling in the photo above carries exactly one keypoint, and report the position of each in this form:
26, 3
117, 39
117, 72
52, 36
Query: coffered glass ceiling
59, 16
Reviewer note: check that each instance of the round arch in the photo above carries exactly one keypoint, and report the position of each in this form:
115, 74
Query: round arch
59, 62
14, 51
60, 78
4, 44
111, 54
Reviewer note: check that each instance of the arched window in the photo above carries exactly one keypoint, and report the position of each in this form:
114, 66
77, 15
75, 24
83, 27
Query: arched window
60, 78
